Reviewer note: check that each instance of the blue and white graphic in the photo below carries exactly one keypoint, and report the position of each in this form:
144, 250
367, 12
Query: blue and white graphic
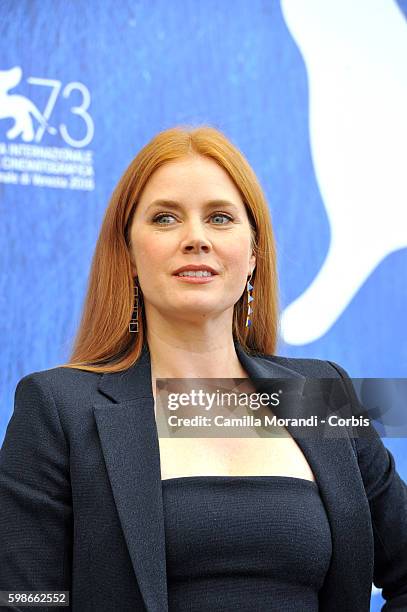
357, 81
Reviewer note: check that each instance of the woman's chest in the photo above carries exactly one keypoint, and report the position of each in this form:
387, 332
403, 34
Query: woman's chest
278, 455
233, 457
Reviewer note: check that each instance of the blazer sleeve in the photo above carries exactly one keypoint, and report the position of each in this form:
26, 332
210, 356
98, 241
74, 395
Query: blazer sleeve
35, 495
387, 496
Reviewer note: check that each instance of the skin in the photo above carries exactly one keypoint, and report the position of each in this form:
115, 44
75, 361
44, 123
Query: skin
190, 325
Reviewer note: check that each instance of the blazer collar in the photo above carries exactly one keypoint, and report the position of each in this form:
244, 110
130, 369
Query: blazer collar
129, 440
136, 381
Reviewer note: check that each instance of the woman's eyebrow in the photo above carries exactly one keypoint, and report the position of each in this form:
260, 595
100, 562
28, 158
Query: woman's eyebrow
176, 205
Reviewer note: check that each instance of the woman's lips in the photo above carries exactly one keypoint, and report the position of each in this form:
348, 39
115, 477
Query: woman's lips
196, 279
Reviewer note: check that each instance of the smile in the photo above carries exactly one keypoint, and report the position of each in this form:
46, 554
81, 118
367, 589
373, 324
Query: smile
198, 273
195, 278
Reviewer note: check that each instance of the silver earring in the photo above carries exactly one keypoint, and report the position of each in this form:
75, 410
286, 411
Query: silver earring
133, 325
249, 299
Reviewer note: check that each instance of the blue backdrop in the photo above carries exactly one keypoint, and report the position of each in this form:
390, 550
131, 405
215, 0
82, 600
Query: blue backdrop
314, 94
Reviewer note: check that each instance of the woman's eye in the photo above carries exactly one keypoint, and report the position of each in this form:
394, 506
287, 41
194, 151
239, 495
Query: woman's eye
158, 218
222, 215
162, 216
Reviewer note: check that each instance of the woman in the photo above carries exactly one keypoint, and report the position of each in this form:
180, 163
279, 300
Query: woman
93, 502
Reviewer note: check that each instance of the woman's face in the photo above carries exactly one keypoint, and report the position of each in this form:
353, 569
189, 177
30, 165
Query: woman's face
192, 227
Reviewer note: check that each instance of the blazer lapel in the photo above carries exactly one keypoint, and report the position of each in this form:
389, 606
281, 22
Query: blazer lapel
348, 581
128, 435
129, 441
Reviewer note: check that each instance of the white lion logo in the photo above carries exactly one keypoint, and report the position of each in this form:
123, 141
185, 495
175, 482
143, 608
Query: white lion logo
19, 108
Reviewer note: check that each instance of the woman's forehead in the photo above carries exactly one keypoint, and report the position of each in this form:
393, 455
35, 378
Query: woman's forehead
196, 173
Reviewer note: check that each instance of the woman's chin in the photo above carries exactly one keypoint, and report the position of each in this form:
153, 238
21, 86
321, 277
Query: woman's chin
195, 314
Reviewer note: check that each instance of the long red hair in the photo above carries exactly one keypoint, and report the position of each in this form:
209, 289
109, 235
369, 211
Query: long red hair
103, 342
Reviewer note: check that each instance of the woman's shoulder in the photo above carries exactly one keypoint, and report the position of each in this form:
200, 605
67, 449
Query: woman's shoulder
61, 372
308, 366
60, 381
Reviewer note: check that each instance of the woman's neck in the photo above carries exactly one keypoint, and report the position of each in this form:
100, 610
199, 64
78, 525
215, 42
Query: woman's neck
194, 360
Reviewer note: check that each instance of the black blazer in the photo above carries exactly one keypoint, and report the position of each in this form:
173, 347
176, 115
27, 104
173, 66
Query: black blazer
81, 505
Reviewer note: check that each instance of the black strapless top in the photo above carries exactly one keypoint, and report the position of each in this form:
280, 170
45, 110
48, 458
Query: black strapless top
244, 543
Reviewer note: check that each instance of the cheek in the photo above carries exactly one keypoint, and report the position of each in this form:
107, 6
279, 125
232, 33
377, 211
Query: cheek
149, 253
237, 256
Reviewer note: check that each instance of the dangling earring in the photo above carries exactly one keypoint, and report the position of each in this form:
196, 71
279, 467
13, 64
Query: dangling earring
249, 299
133, 325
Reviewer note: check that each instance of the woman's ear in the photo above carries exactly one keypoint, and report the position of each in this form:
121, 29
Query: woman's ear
252, 262
132, 265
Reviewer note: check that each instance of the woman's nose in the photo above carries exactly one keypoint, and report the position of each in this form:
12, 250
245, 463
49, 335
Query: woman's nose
197, 245
195, 238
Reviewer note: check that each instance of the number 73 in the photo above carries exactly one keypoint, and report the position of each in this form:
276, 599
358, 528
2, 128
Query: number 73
81, 110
